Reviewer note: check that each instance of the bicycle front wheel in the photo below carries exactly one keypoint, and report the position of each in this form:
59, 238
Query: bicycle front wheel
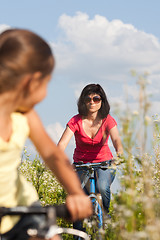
94, 225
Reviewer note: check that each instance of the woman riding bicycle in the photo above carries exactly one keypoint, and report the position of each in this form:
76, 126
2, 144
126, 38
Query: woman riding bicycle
92, 128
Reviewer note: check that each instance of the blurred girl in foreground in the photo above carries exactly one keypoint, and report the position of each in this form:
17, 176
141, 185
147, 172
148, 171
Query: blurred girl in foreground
26, 64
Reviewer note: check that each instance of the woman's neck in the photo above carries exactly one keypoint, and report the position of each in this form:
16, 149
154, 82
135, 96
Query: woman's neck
92, 116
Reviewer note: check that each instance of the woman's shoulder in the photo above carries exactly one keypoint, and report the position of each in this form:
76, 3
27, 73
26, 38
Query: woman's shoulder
76, 118
75, 122
109, 119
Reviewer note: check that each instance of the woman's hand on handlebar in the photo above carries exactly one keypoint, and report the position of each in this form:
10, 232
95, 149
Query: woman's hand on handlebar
79, 206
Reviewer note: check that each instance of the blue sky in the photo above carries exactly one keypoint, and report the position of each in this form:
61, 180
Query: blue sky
42, 16
93, 41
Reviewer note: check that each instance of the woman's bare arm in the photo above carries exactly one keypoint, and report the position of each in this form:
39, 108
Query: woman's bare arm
114, 134
66, 137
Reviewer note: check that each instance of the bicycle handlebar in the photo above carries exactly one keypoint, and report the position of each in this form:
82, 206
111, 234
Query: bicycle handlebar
50, 229
52, 212
59, 210
105, 164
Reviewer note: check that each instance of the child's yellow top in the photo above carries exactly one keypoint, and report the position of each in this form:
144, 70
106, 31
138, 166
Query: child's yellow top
14, 189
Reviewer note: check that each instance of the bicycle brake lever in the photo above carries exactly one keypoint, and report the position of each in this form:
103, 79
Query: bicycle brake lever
78, 163
106, 163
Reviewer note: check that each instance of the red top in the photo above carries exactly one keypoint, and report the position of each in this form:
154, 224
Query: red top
88, 149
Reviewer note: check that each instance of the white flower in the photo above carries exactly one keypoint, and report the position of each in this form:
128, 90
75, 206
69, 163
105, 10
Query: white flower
148, 120
135, 113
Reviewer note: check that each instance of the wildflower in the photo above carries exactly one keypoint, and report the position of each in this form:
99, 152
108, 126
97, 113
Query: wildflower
148, 120
135, 113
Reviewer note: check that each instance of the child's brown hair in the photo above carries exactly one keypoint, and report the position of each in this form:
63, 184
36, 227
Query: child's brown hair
22, 52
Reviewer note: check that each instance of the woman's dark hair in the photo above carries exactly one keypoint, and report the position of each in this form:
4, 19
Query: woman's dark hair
22, 52
93, 89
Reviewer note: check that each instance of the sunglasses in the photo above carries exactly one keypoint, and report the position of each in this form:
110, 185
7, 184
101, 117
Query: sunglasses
96, 99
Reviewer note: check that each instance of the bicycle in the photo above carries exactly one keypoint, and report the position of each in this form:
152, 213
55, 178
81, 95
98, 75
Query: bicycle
96, 201
52, 213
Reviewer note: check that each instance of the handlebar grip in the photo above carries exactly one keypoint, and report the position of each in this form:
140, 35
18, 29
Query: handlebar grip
62, 211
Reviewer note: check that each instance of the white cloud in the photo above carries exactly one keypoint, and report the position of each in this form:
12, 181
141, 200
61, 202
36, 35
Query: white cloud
102, 47
102, 51
3, 27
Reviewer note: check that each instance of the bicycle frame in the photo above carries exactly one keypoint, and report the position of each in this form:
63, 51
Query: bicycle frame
93, 197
